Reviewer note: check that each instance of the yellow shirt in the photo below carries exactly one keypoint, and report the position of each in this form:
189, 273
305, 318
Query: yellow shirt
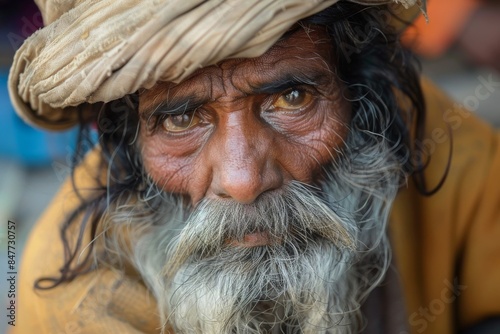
451, 238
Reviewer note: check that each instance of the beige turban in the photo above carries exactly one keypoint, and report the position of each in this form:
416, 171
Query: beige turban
100, 50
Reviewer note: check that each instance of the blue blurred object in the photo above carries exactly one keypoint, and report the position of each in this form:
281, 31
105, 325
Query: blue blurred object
28, 145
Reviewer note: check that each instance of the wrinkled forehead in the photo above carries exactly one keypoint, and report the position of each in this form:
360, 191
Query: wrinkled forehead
303, 51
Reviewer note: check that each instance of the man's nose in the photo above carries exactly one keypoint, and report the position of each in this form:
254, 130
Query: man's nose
243, 160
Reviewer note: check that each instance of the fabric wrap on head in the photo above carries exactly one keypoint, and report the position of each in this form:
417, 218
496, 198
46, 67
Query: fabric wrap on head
100, 50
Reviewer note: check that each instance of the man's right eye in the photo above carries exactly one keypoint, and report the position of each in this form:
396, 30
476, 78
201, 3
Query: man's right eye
292, 99
179, 123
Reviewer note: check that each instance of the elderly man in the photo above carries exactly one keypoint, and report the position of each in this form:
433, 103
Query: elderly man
250, 153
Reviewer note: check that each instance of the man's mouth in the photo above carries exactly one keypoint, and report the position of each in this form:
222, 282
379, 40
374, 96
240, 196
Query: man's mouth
253, 240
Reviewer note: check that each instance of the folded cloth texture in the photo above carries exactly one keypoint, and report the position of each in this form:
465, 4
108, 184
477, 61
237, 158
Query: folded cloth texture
101, 50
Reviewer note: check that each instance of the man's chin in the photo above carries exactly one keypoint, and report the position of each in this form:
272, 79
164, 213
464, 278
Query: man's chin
261, 285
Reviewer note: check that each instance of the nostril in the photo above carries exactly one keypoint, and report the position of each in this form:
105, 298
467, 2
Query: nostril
223, 195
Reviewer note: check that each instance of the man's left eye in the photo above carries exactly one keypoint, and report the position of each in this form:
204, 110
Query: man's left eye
179, 123
294, 98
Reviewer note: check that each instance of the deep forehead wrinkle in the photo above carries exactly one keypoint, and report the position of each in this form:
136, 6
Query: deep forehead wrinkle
273, 78
259, 75
283, 66
284, 60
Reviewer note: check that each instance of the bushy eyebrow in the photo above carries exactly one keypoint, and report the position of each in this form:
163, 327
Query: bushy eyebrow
186, 103
174, 106
290, 80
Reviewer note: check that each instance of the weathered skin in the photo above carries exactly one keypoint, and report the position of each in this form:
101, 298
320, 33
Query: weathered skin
242, 142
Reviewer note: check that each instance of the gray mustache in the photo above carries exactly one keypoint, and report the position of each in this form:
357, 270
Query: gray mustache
291, 216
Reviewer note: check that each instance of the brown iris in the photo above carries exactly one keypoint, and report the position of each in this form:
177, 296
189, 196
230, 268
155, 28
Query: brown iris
293, 98
179, 123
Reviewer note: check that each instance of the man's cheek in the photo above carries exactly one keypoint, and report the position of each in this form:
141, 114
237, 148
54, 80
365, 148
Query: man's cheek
302, 161
329, 132
169, 173
325, 144
318, 150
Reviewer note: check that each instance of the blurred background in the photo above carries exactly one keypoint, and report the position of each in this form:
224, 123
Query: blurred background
459, 49
33, 163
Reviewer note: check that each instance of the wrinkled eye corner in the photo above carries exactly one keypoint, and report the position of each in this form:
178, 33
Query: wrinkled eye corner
180, 123
292, 99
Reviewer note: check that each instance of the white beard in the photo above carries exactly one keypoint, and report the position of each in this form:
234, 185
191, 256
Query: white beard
312, 280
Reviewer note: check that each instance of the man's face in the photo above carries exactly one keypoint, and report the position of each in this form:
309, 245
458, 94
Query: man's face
247, 126
287, 198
